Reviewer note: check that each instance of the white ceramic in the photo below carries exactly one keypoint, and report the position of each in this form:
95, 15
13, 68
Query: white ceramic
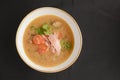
65, 16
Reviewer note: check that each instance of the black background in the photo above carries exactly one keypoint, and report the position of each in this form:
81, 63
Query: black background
99, 21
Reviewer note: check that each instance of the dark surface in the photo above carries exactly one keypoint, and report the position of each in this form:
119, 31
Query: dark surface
99, 21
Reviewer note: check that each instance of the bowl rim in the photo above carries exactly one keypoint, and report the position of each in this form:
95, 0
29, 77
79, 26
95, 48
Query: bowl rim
79, 30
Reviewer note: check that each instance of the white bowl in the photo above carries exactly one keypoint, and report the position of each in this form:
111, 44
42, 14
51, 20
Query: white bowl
74, 27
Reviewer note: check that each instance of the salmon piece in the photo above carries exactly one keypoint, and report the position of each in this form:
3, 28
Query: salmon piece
38, 39
55, 43
60, 35
46, 39
52, 49
41, 43
42, 48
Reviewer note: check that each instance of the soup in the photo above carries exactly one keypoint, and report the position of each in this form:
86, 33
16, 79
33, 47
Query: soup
48, 41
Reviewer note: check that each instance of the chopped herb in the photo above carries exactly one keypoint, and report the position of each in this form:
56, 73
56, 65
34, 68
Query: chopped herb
65, 44
32, 27
47, 32
45, 26
39, 31
45, 29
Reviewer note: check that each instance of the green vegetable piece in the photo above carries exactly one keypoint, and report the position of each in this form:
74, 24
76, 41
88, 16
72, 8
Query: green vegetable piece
65, 44
44, 29
47, 32
39, 31
45, 26
47, 29
32, 27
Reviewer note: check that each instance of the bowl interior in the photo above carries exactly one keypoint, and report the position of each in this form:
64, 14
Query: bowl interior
49, 11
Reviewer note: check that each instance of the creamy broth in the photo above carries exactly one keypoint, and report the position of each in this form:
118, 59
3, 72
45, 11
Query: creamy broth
48, 58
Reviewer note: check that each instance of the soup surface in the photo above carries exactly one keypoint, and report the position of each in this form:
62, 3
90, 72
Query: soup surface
48, 41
